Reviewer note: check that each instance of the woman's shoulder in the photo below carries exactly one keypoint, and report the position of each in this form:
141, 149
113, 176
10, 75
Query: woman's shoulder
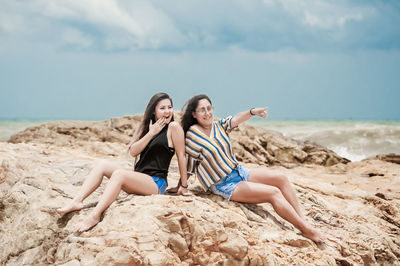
174, 124
193, 127
175, 127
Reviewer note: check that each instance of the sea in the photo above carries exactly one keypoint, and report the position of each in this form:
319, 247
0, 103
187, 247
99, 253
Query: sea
354, 140
10, 127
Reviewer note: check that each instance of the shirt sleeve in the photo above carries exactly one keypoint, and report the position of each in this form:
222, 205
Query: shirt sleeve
226, 123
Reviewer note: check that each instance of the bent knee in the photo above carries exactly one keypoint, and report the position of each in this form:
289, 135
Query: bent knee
282, 179
274, 194
274, 191
118, 175
105, 167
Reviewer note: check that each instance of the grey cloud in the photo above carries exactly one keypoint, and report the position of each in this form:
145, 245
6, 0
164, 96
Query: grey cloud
269, 25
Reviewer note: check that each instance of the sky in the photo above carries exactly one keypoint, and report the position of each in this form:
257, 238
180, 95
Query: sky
303, 59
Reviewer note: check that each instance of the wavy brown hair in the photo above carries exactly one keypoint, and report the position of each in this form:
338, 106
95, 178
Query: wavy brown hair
189, 108
149, 114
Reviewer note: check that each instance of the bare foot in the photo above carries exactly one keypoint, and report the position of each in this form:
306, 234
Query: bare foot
184, 192
173, 190
314, 235
73, 206
87, 223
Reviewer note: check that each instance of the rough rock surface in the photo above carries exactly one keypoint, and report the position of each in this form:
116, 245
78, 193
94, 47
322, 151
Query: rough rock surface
389, 157
359, 212
257, 145
250, 144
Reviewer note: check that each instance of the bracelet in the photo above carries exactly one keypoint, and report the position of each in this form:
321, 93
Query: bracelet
251, 111
184, 186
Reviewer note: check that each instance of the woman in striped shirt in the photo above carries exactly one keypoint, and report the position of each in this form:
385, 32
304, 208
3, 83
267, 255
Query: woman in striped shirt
210, 157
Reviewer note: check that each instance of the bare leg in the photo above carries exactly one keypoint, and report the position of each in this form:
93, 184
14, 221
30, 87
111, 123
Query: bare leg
259, 193
129, 181
92, 182
276, 179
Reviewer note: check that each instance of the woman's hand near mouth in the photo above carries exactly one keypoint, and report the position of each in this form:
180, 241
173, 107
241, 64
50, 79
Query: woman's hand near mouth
156, 128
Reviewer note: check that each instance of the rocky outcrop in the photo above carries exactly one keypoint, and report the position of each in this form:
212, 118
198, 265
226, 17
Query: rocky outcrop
261, 146
42, 168
390, 157
363, 228
250, 144
73, 133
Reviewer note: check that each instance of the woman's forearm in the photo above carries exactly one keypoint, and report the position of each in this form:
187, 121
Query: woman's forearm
240, 118
182, 169
246, 115
138, 146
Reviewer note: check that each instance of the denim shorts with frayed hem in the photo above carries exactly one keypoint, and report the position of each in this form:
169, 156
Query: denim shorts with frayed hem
161, 184
227, 185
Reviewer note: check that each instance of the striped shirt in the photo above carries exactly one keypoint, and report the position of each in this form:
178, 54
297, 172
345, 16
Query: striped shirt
210, 157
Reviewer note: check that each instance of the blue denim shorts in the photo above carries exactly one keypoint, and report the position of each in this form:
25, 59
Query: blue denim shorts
161, 184
227, 185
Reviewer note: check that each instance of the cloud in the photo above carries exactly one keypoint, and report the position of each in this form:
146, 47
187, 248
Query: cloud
269, 25
145, 26
324, 14
330, 22
76, 38
140, 25
10, 23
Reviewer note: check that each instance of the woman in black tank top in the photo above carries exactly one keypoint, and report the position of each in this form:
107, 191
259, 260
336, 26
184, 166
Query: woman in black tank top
156, 140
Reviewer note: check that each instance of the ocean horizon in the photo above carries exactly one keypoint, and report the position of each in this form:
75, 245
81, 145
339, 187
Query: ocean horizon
352, 139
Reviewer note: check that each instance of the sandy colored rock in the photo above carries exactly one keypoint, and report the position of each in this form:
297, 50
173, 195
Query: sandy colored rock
390, 157
359, 212
250, 144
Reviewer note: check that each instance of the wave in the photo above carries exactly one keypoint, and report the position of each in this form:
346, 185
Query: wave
353, 140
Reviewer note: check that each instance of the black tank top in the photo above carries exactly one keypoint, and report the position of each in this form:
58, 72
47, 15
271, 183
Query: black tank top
156, 157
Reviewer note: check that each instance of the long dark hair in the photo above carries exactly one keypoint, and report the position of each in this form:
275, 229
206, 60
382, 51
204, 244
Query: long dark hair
149, 114
189, 108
